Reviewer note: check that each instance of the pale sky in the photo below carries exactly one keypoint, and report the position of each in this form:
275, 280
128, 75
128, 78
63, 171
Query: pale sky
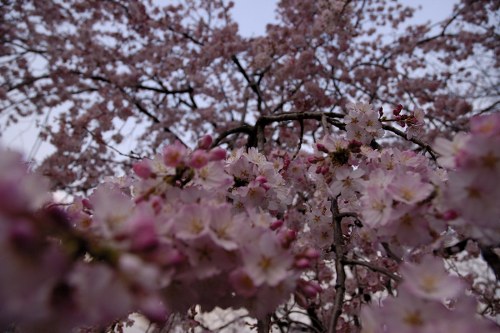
253, 15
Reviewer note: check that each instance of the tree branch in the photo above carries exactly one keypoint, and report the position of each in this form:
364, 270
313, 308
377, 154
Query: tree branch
415, 141
373, 268
339, 266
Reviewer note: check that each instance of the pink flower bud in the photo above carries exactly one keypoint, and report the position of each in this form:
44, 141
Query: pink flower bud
153, 309
217, 154
322, 148
286, 237
276, 224
173, 155
199, 158
302, 263
312, 253
86, 203
143, 169
175, 257
205, 142
450, 215
23, 236
144, 237
261, 179
309, 291
157, 204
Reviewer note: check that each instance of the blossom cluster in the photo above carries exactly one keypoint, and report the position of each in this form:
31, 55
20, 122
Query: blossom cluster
429, 301
471, 195
201, 227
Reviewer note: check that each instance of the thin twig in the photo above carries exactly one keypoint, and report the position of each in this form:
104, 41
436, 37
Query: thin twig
416, 141
373, 268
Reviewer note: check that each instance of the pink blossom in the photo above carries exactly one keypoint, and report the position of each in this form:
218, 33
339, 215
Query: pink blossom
205, 142
143, 169
377, 207
174, 155
266, 261
487, 125
242, 283
217, 154
449, 149
405, 313
429, 280
409, 188
198, 159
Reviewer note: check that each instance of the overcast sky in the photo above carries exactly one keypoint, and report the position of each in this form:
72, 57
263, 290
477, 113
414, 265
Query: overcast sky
253, 15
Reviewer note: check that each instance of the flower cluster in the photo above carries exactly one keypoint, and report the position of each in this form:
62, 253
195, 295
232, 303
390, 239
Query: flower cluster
362, 123
45, 285
428, 300
471, 194
193, 220
241, 230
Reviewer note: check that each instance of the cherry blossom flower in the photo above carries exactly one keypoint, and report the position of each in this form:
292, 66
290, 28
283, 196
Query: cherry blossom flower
409, 188
266, 261
377, 207
429, 280
448, 149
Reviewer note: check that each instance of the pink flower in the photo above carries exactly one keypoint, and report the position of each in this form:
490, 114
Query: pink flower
377, 207
112, 208
415, 124
242, 283
409, 314
429, 280
223, 227
486, 125
143, 169
198, 159
174, 155
409, 188
205, 142
449, 149
266, 261
217, 154
347, 181
212, 176
191, 221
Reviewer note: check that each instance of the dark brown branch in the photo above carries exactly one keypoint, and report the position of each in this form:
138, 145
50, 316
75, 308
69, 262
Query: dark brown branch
443, 31
339, 265
100, 141
391, 254
315, 321
373, 268
416, 141
265, 120
263, 325
301, 139
27, 82
163, 90
251, 83
246, 129
491, 259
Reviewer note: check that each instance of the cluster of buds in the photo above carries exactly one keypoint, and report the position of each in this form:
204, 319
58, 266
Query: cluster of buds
413, 119
179, 157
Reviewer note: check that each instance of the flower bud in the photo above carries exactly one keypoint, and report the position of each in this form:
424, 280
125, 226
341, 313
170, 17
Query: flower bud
199, 159
205, 142
217, 154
